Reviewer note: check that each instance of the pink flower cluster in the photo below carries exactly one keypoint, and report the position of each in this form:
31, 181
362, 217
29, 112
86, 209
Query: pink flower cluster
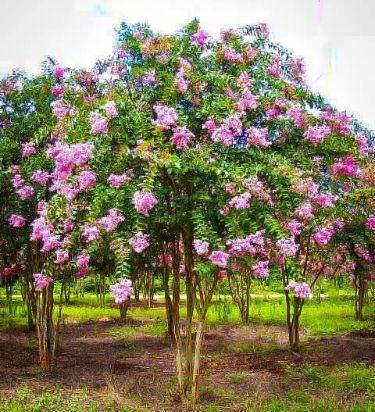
82, 262
59, 109
144, 202
41, 177
110, 109
219, 258
257, 137
287, 247
149, 77
295, 113
28, 149
16, 221
90, 233
201, 247
370, 223
345, 167
117, 181
25, 192
316, 134
41, 281
323, 200
251, 244
228, 131
293, 227
111, 221
200, 38
240, 202
339, 121
231, 56
181, 137
121, 291
98, 123
62, 256
324, 235
180, 80
364, 254
67, 156
301, 290
260, 269
246, 101
165, 116
305, 211
139, 242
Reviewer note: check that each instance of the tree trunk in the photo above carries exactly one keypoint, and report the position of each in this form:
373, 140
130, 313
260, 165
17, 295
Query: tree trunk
197, 354
124, 309
45, 329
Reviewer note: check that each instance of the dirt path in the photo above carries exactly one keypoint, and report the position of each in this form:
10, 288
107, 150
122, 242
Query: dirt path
142, 366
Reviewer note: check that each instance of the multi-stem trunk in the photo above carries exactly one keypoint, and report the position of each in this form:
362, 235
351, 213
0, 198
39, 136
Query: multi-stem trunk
45, 328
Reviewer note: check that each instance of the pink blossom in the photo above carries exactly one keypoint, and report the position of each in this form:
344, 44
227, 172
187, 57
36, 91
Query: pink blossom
287, 247
240, 202
28, 149
295, 113
362, 145
274, 70
82, 262
200, 38
260, 269
361, 252
86, 180
98, 123
41, 281
68, 225
149, 77
50, 242
121, 291
181, 83
117, 181
111, 221
40, 176
59, 110
228, 131
201, 247
323, 236
110, 109
181, 137
17, 181
61, 256
57, 90
230, 55
58, 72
258, 137
165, 116
144, 202
316, 134
324, 200
17, 221
219, 258
293, 227
209, 125
139, 242
90, 233
25, 192
345, 167
246, 101
370, 224
304, 211
301, 290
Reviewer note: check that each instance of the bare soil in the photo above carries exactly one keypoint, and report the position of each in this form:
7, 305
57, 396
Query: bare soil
138, 370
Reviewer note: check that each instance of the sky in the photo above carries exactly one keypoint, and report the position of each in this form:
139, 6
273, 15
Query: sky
335, 37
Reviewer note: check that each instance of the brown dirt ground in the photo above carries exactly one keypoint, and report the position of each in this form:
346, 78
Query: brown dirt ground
88, 357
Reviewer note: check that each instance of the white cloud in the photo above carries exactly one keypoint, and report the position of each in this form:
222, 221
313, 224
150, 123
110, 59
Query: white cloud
336, 37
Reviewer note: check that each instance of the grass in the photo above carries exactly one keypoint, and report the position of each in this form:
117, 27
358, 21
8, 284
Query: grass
333, 315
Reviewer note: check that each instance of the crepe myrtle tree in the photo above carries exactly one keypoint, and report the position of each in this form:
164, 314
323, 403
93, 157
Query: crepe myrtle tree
145, 150
217, 112
26, 121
